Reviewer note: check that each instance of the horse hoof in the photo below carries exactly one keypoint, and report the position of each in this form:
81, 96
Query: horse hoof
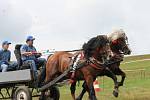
115, 93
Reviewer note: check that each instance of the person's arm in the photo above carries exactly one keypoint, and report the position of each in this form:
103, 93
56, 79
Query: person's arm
23, 51
5, 59
27, 53
0, 56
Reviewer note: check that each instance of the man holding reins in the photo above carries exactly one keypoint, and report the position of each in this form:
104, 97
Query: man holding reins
30, 56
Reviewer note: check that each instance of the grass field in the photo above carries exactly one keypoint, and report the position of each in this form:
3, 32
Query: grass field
136, 87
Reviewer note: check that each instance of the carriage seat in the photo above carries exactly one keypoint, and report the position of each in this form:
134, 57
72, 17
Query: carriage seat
18, 57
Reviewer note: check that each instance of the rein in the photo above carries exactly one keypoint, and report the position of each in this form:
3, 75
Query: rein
74, 50
96, 64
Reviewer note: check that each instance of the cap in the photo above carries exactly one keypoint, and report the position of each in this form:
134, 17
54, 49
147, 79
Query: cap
30, 38
6, 42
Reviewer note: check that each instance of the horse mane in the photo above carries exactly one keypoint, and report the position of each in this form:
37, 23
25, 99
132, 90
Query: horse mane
116, 34
94, 43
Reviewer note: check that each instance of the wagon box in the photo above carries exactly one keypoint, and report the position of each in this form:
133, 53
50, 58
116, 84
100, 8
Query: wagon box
15, 76
21, 84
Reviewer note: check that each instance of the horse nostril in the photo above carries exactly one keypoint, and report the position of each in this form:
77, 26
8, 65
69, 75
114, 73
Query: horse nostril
129, 52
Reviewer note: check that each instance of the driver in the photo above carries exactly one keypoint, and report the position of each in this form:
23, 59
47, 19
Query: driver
30, 56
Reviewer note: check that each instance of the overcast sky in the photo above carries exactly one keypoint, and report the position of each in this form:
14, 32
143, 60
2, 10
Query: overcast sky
67, 24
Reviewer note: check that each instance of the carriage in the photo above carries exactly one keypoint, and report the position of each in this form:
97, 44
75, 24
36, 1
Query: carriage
19, 84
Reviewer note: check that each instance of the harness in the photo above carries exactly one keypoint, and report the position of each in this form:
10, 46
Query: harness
91, 61
75, 60
95, 63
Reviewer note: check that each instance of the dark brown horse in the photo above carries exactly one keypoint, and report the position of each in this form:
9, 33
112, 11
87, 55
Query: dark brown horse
119, 46
97, 48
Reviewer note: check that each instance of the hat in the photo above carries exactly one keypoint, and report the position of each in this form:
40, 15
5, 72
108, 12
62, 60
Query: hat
30, 38
6, 42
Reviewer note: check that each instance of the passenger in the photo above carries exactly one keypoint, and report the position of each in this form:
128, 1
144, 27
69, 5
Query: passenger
5, 56
30, 56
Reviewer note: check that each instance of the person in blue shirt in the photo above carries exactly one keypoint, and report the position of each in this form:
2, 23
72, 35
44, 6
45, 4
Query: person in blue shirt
5, 56
30, 56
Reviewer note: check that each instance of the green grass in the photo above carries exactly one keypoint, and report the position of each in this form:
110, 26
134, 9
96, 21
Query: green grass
138, 57
136, 87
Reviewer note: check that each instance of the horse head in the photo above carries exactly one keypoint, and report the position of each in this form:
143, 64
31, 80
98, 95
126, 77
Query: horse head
98, 47
119, 40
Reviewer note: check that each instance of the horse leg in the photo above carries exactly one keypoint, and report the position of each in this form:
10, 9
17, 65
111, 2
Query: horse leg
73, 88
89, 81
123, 76
113, 76
83, 91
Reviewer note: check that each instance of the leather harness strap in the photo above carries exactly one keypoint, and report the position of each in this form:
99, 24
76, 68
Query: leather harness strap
95, 64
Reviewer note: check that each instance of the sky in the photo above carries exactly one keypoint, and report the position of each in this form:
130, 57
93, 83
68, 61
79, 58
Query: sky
67, 24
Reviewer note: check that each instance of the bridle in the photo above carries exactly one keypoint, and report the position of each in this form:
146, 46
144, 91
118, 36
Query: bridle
96, 64
117, 42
